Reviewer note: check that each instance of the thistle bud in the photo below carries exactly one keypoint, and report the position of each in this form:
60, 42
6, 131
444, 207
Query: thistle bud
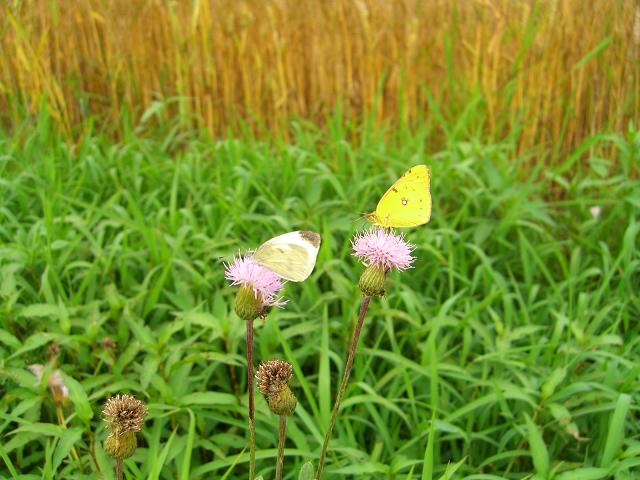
372, 281
120, 446
273, 382
125, 416
248, 306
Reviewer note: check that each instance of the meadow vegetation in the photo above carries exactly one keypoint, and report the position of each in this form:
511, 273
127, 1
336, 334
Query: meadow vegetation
145, 143
511, 347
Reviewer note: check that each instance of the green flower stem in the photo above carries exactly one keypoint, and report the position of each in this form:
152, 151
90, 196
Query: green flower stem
252, 425
62, 422
281, 440
345, 381
118, 469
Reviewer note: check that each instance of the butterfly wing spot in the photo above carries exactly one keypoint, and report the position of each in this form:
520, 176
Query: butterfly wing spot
404, 201
312, 237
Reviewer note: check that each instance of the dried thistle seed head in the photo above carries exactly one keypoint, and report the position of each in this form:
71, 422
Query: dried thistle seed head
124, 414
273, 382
272, 376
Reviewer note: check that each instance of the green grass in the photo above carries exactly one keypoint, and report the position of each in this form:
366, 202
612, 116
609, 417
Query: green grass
511, 350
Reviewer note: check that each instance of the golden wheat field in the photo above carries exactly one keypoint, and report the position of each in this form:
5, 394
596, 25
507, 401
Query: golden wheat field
549, 72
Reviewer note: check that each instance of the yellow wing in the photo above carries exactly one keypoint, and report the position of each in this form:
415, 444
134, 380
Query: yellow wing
407, 203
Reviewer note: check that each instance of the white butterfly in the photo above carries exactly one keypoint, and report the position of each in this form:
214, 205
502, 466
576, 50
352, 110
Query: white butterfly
291, 255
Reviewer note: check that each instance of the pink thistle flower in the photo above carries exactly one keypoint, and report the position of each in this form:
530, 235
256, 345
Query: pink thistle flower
383, 249
244, 271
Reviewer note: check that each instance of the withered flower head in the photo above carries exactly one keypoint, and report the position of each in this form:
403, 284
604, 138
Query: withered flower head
56, 385
272, 375
273, 382
124, 413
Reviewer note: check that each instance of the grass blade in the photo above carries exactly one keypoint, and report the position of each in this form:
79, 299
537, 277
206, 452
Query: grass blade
615, 434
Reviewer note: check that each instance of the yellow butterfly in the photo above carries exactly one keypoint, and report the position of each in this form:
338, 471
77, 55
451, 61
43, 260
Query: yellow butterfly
407, 203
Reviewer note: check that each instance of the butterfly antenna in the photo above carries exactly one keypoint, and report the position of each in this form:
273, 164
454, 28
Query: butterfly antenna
360, 216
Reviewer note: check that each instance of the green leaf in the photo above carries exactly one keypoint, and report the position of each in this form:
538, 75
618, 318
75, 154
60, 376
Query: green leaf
208, 398
552, 382
67, 440
306, 472
149, 369
203, 319
588, 473
362, 468
563, 416
451, 469
47, 429
40, 310
8, 339
142, 333
157, 464
24, 378
538, 449
8, 463
427, 469
33, 342
188, 449
63, 317
616, 431
593, 53
78, 397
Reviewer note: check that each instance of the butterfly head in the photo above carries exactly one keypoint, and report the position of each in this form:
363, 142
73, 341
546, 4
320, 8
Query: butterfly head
370, 217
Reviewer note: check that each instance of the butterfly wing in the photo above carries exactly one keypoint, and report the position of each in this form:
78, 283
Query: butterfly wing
407, 203
291, 255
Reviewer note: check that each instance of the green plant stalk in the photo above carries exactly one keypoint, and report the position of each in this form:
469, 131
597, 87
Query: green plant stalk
61, 421
282, 432
118, 469
345, 381
252, 425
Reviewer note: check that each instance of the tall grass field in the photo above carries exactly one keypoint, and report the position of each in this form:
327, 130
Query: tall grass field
549, 72
146, 144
